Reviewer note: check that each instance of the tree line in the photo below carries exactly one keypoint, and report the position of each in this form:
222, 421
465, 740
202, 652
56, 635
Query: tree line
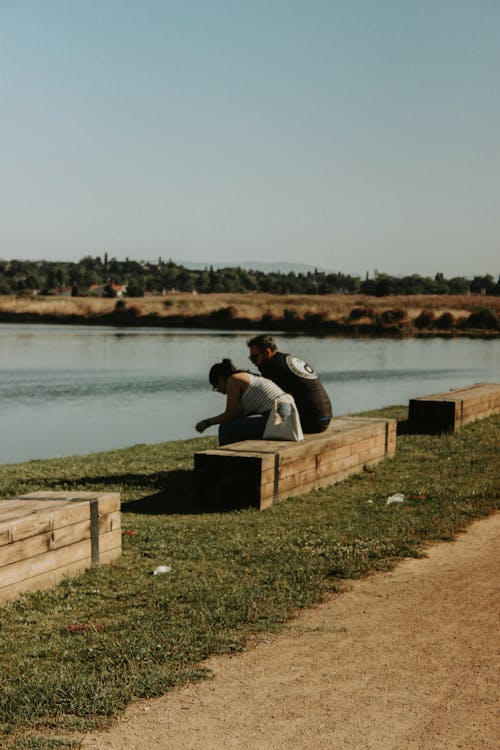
55, 277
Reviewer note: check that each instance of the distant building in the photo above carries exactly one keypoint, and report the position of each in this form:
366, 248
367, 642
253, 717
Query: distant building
64, 291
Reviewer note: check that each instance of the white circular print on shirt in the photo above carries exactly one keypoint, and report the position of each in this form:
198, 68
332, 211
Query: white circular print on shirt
300, 368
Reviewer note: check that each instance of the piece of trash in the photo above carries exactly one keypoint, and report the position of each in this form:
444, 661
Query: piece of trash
370, 502
84, 627
132, 532
397, 498
162, 569
419, 497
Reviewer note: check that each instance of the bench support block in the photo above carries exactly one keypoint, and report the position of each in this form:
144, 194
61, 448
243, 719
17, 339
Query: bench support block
259, 473
447, 412
48, 536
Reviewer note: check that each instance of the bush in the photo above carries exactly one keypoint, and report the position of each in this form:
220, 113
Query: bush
135, 289
484, 319
445, 322
225, 313
268, 319
426, 319
5, 287
361, 312
392, 316
315, 319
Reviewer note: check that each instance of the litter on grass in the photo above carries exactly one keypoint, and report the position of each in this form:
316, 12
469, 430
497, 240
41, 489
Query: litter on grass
162, 569
397, 498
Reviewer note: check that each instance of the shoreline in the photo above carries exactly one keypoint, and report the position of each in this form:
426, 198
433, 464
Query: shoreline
124, 319
398, 316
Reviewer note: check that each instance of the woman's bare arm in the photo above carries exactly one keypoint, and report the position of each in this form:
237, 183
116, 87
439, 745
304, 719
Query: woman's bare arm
236, 386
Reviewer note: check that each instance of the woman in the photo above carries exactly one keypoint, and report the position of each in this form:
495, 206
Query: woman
249, 399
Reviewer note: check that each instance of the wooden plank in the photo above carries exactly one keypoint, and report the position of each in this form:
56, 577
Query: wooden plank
341, 431
442, 412
465, 392
56, 558
336, 442
479, 408
327, 456
38, 523
316, 484
42, 581
45, 542
108, 501
42, 563
326, 481
21, 509
30, 547
50, 578
367, 456
46, 516
109, 540
295, 467
110, 555
331, 469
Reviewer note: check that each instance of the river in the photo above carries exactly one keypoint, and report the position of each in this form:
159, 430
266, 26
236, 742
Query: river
68, 390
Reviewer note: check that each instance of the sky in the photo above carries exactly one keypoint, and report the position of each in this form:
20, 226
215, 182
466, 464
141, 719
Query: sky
352, 135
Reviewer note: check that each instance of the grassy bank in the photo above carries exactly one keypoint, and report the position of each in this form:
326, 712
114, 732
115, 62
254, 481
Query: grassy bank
333, 314
232, 575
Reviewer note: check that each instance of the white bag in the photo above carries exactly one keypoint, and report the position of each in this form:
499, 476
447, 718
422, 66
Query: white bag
287, 428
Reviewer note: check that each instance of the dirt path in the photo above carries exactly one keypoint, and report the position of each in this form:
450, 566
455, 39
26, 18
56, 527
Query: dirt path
406, 659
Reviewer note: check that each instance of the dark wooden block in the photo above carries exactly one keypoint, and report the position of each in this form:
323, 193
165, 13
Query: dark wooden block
447, 412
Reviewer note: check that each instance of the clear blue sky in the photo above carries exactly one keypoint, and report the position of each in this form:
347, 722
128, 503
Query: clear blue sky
353, 135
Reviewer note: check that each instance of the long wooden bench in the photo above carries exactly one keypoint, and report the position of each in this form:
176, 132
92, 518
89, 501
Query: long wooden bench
47, 536
447, 412
258, 473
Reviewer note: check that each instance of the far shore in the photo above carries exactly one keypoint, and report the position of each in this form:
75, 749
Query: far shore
339, 314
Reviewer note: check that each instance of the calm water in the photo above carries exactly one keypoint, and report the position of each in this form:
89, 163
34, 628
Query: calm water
67, 390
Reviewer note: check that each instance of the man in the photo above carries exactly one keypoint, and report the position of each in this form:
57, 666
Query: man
294, 376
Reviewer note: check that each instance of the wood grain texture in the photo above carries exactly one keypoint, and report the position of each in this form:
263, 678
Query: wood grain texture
47, 536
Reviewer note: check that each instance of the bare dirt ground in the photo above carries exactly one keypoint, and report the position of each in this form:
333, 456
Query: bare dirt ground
406, 659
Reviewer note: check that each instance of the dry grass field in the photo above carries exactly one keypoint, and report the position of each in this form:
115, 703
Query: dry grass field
252, 306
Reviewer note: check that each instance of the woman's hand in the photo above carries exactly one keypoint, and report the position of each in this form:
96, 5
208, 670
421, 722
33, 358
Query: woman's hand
202, 426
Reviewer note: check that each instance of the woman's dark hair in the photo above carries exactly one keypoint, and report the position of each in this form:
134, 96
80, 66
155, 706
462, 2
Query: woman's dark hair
222, 369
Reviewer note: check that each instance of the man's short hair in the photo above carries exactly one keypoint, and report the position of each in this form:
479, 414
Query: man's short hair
263, 341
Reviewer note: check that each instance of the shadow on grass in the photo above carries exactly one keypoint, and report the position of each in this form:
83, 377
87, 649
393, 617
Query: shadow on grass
171, 492
176, 496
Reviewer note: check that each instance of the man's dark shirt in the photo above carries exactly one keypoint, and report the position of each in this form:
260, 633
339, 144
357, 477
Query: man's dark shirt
295, 376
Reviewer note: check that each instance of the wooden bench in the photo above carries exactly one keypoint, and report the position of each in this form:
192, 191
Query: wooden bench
47, 536
447, 412
258, 473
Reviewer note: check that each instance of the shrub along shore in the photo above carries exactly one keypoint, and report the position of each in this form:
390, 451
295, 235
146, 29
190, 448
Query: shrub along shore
335, 314
73, 657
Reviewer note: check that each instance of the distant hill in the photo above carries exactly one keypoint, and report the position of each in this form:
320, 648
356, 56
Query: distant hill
270, 267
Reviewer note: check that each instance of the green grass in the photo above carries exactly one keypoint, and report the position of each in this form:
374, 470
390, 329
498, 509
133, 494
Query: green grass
233, 574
